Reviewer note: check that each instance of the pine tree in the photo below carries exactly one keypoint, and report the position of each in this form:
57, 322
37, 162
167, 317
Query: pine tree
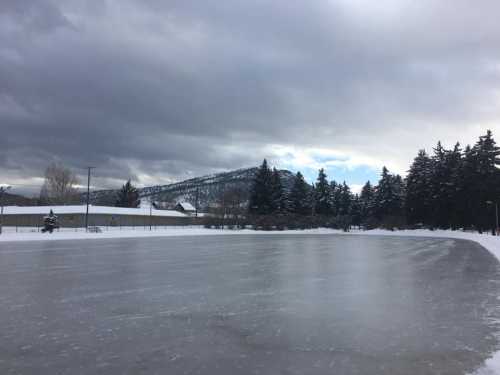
128, 196
277, 194
356, 218
335, 197
299, 196
418, 183
366, 204
260, 196
466, 178
440, 180
485, 184
452, 188
322, 204
400, 194
383, 194
345, 200
389, 198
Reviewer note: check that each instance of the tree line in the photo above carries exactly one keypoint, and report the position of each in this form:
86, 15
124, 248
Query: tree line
455, 188
449, 189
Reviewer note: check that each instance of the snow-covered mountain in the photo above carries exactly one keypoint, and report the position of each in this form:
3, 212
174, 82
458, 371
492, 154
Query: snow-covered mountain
208, 188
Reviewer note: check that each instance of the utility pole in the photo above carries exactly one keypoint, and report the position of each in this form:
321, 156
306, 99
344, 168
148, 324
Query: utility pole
151, 200
3, 189
496, 215
223, 205
88, 199
197, 199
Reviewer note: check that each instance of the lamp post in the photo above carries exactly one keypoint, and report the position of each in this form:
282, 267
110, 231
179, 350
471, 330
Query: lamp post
223, 205
496, 214
150, 212
197, 199
88, 200
3, 189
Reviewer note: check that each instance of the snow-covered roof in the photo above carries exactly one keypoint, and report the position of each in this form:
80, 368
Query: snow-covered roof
27, 210
145, 203
186, 206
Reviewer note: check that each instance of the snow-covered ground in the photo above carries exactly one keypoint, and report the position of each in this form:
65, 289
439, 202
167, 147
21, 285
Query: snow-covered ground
491, 243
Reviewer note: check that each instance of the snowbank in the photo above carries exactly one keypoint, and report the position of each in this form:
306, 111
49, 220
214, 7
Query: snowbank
489, 242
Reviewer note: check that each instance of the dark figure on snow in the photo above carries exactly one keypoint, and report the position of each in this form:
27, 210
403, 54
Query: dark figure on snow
50, 222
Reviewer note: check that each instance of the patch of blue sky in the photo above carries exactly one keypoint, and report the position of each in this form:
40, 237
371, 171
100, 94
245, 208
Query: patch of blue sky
352, 176
337, 167
324, 159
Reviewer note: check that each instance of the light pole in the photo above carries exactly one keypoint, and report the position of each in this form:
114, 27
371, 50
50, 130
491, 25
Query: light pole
3, 189
197, 199
150, 211
88, 199
223, 205
496, 215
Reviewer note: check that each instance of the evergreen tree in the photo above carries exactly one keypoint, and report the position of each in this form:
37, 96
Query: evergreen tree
322, 204
485, 183
128, 196
277, 194
389, 199
343, 217
335, 197
467, 182
440, 179
345, 200
400, 194
418, 184
383, 194
312, 198
367, 203
299, 196
356, 217
454, 164
261, 194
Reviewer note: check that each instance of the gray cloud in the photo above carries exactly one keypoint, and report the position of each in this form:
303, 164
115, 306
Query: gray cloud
162, 90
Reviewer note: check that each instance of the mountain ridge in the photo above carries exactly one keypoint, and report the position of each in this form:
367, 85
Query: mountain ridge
206, 189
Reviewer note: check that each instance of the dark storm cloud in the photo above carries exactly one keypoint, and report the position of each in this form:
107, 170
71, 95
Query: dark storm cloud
160, 90
32, 16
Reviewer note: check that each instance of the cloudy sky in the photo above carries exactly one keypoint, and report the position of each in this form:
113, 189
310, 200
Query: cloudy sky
162, 90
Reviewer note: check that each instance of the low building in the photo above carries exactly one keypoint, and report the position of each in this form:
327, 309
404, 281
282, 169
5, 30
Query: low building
74, 216
185, 207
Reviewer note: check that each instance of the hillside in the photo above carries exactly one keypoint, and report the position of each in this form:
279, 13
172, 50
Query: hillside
209, 188
9, 199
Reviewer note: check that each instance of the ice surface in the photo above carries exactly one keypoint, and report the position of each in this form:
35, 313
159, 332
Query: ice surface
245, 304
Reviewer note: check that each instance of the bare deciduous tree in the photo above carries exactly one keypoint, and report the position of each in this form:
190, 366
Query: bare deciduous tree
59, 186
233, 205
